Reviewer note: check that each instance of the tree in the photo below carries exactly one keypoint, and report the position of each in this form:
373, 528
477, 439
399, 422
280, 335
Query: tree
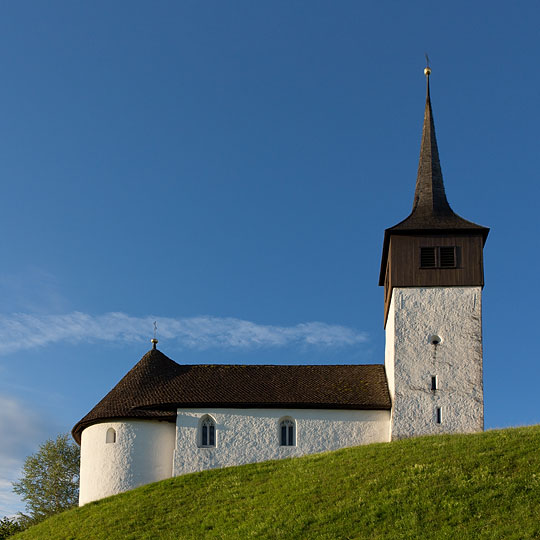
9, 526
50, 479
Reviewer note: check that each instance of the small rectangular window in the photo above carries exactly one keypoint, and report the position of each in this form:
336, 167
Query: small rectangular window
439, 415
434, 382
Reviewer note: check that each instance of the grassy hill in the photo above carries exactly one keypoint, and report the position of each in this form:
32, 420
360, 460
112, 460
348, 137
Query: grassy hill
466, 486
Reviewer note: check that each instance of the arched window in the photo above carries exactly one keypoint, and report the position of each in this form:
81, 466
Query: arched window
207, 432
287, 435
111, 436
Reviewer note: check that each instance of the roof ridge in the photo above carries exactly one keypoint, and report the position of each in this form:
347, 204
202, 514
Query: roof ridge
275, 365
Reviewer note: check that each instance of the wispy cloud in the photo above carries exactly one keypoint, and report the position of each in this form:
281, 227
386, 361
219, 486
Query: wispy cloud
19, 331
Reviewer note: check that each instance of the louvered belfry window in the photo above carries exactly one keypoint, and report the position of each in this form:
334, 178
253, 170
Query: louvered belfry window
438, 257
428, 258
447, 257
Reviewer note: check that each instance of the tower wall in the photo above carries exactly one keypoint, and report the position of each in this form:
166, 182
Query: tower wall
142, 452
415, 315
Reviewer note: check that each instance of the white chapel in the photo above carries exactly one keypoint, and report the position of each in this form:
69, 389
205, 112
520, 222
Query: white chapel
165, 419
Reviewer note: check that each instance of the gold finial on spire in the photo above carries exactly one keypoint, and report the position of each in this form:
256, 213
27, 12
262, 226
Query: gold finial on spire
427, 69
154, 340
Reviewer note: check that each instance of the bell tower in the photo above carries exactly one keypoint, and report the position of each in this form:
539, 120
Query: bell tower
432, 273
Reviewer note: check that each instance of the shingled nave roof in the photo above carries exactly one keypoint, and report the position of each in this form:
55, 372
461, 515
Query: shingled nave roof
156, 386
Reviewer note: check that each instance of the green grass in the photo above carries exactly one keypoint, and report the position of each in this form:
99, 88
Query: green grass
458, 486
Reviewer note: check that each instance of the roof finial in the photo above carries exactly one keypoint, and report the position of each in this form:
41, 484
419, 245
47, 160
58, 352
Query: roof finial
154, 340
427, 69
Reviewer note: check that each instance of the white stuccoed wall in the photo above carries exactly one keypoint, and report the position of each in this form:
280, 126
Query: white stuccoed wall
454, 314
252, 435
142, 453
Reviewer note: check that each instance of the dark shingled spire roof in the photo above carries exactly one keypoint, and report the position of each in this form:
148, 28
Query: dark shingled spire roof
431, 212
429, 196
157, 386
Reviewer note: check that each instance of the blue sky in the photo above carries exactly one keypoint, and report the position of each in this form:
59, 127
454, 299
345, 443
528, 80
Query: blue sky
228, 169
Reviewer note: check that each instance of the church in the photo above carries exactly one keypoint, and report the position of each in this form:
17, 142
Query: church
165, 419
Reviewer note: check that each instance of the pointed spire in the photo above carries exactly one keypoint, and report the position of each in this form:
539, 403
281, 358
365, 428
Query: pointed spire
429, 196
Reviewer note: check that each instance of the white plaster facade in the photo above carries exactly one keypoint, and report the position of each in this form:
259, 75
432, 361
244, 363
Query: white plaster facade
417, 314
252, 435
145, 451
142, 453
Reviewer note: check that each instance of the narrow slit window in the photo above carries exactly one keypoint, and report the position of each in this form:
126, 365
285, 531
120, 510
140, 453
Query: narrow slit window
110, 437
434, 385
439, 415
